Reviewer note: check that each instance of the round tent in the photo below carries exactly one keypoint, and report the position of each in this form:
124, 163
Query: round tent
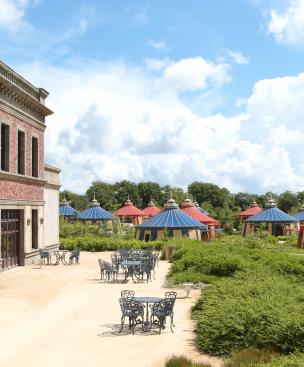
95, 213
277, 222
66, 210
202, 210
188, 207
171, 222
300, 216
129, 213
151, 210
249, 212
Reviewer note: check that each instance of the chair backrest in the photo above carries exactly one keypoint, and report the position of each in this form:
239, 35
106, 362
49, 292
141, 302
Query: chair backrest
171, 294
127, 294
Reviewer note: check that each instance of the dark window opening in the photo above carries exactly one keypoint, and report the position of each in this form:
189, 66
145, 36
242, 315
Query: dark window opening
4, 147
147, 237
34, 157
34, 228
21, 152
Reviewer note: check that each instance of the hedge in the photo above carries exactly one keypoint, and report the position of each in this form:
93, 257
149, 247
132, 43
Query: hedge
93, 243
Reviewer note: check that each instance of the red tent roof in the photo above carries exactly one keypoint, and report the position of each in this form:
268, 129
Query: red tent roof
253, 210
151, 210
129, 210
188, 207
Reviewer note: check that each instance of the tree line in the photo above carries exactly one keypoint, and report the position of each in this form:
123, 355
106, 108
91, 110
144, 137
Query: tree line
222, 204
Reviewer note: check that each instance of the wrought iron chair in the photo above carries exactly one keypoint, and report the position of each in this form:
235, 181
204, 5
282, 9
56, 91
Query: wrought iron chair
133, 310
127, 294
107, 271
160, 311
45, 256
74, 256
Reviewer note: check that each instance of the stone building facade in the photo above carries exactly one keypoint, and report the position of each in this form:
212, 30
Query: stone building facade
29, 189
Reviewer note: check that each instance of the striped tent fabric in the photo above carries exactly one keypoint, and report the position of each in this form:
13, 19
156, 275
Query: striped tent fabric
202, 210
67, 211
95, 212
128, 210
151, 210
274, 215
300, 216
172, 217
189, 208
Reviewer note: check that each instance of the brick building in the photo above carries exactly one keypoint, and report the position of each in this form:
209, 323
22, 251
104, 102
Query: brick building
29, 188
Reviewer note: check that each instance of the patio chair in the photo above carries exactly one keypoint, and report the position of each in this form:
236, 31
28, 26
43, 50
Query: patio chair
160, 311
74, 256
107, 271
127, 294
45, 256
133, 310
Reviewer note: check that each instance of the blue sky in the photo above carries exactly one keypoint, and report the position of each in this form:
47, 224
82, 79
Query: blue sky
171, 91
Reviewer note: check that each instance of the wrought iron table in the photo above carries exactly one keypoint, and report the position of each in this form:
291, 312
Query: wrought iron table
131, 268
60, 256
147, 324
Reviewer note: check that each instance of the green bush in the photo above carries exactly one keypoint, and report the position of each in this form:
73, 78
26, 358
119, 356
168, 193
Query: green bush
262, 311
251, 357
294, 360
92, 243
182, 361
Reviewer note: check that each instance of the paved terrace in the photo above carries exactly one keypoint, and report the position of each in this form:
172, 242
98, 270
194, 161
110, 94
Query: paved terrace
65, 316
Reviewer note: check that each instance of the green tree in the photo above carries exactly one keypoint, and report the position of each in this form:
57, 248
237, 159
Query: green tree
287, 200
104, 194
78, 202
218, 197
243, 200
148, 190
125, 189
178, 194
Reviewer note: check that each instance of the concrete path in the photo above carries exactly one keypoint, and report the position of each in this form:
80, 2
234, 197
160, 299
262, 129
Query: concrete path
65, 316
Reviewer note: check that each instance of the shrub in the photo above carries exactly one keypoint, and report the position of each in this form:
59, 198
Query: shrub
93, 243
294, 360
251, 357
182, 361
262, 311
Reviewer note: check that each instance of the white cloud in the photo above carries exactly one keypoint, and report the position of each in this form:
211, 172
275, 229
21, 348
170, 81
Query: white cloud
238, 57
113, 121
157, 64
12, 14
288, 26
195, 74
159, 45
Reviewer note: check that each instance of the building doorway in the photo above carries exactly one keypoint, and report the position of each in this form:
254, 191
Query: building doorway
10, 238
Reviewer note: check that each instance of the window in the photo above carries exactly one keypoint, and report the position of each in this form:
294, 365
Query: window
34, 228
4, 147
34, 157
21, 152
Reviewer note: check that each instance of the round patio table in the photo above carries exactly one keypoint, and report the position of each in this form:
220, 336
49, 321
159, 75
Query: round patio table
60, 256
147, 325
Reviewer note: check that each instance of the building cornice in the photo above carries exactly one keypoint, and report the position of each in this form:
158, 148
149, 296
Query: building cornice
49, 185
17, 203
50, 168
21, 115
20, 178
24, 93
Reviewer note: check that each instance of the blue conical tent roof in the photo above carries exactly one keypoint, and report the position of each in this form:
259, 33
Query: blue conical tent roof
95, 212
172, 217
66, 210
202, 210
272, 214
300, 216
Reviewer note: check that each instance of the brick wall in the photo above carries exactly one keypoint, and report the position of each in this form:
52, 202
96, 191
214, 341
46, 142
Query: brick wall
14, 189
30, 131
20, 191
